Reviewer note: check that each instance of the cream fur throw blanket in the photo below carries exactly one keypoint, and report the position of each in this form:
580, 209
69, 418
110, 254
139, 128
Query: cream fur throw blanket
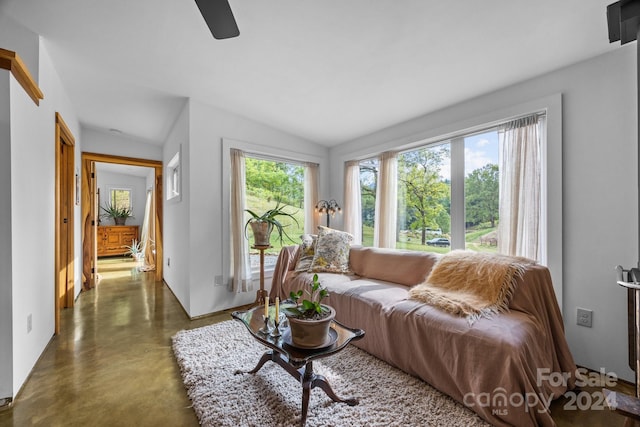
471, 284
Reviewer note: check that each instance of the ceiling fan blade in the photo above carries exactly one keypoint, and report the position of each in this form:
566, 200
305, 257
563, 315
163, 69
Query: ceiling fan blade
219, 17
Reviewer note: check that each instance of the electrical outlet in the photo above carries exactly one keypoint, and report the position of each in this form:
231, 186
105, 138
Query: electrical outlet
218, 281
585, 317
29, 322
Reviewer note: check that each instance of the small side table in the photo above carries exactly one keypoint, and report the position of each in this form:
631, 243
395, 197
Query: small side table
261, 295
296, 361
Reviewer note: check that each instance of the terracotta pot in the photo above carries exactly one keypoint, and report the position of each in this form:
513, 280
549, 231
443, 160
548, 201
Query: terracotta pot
311, 333
261, 233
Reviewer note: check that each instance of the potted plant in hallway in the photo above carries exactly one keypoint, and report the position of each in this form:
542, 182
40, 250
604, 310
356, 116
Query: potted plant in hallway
135, 250
119, 214
310, 320
263, 225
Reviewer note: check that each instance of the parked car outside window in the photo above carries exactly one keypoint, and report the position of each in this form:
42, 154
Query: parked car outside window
440, 241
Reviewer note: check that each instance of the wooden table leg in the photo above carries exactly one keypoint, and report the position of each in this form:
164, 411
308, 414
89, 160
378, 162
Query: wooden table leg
307, 385
306, 376
311, 381
267, 356
261, 294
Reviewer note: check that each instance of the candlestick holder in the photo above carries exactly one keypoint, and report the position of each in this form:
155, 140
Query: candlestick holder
265, 328
275, 332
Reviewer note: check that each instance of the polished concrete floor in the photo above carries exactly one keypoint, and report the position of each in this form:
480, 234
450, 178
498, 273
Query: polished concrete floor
112, 364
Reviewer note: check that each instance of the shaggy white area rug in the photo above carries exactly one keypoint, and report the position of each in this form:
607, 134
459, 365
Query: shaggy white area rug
209, 356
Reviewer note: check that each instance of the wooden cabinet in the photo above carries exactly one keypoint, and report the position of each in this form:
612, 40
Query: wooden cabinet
112, 239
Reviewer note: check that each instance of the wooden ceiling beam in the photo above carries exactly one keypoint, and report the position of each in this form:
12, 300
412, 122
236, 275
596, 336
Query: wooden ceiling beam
11, 61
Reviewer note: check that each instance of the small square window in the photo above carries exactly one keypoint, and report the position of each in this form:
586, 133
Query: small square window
174, 172
120, 198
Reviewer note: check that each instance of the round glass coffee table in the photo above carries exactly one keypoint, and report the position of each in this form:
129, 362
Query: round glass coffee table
297, 362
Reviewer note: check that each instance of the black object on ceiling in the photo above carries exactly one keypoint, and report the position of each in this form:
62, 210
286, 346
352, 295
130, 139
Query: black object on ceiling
623, 19
219, 17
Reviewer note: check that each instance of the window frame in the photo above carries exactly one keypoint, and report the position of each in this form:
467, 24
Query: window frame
261, 157
262, 152
471, 117
120, 188
174, 177
456, 143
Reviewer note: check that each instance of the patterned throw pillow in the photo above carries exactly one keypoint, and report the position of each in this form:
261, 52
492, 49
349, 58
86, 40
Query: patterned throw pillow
322, 230
332, 251
307, 251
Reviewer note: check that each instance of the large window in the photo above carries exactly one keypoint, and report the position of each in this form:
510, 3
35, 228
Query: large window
450, 191
269, 182
368, 185
481, 191
424, 198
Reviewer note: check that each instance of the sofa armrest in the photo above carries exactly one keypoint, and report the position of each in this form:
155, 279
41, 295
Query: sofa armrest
285, 263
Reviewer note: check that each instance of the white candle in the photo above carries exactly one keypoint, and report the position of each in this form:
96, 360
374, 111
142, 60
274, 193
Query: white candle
266, 307
277, 308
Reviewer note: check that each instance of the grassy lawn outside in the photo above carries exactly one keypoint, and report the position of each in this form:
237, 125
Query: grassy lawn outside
408, 240
411, 241
260, 205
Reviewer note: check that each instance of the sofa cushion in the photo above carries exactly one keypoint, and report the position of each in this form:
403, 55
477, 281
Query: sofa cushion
322, 230
407, 268
306, 252
332, 252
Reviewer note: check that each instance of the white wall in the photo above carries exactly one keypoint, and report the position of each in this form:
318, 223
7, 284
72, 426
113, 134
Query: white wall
16, 37
175, 232
30, 198
33, 213
6, 288
202, 193
28, 181
94, 141
599, 188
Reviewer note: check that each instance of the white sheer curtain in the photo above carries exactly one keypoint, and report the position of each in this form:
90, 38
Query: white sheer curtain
353, 201
147, 235
311, 220
240, 263
384, 234
521, 226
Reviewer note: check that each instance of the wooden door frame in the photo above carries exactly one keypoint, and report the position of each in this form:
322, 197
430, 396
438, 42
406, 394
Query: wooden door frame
89, 227
64, 292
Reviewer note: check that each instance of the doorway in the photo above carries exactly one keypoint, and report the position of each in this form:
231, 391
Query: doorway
91, 207
65, 184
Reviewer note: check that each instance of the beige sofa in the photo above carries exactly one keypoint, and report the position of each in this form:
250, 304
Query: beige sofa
498, 367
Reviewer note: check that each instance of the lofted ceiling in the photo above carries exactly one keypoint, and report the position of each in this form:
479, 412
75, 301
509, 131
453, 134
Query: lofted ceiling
326, 70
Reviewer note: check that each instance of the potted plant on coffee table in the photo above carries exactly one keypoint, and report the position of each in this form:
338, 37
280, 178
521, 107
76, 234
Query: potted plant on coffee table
310, 320
263, 225
119, 214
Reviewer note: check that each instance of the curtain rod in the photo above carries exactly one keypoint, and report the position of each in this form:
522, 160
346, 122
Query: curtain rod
467, 132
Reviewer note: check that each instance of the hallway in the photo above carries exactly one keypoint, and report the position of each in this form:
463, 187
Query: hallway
112, 363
